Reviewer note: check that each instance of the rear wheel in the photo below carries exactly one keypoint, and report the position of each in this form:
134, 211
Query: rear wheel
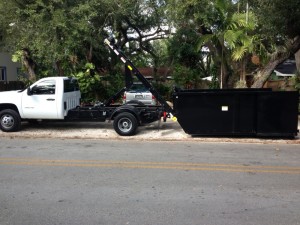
10, 120
125, 124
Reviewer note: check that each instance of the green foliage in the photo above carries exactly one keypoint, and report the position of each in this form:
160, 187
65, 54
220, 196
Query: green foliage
89, 83
274, 77
189, 65
115, 82
296, 81
98, 88
17, 56
239, 35
164, 90
7, 12
185, 77
210, 20
182, 48
64, 37
278, 18
25, 81
214, 84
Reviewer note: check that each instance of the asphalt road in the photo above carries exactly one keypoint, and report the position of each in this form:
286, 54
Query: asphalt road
116, 182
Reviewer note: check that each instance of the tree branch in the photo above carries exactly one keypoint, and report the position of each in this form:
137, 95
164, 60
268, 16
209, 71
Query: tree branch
278, 58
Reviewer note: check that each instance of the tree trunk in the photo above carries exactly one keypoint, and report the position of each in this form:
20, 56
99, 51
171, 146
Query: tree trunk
220, 57
31, 73
297, 58
89, 54
225, 74
263, 74
243, 72
29, 64
58, 68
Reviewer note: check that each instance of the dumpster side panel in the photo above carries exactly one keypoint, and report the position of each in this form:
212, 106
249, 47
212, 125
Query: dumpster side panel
216, 113
205, 113
246, 112
245, 115
277, 114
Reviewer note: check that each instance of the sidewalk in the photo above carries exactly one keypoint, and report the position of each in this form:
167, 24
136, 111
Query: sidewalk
169, 131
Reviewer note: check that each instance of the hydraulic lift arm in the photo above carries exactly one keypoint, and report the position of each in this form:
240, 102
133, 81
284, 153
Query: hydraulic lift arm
137, 73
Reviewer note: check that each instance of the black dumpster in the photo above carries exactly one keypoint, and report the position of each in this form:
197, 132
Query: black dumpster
242, 112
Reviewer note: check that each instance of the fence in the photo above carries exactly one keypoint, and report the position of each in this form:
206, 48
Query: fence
11, 85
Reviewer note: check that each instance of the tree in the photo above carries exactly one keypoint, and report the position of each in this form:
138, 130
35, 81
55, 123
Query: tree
65, 37
241, 38
62, 36
280, 25
277, 57
140, 23
189, 65
7, 11
221, 29
237, 38
230, 42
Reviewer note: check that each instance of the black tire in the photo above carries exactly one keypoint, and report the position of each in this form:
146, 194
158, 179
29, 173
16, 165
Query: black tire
10, 120
125, 124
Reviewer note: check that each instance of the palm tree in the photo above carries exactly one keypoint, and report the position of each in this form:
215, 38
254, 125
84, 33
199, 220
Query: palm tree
233, 40
241, 41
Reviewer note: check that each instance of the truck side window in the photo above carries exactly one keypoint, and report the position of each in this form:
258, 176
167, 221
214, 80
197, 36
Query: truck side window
44, 88
71, 85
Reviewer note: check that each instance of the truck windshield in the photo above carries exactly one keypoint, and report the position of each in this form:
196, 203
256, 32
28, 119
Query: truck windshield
71, 85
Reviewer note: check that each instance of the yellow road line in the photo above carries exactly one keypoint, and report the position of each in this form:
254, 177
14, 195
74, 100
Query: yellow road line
151, 165
145, 163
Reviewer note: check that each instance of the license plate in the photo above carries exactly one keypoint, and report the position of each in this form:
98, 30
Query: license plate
139, 96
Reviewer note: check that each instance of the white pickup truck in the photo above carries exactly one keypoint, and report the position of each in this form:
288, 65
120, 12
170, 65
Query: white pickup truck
58, 98
48, 98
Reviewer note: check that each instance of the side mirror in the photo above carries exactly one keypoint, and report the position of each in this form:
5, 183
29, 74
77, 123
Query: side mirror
29, 92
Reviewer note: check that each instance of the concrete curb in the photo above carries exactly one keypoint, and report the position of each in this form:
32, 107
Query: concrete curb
169, 131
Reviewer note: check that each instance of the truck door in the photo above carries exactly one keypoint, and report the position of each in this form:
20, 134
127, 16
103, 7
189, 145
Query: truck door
41, 101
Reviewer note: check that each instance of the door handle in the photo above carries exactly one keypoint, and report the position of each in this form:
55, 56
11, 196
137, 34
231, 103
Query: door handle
50, 99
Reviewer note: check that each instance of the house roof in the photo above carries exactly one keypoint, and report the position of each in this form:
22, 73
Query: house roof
287, 68
161, 72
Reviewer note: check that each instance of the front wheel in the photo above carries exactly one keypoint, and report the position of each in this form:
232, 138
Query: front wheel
125, 124
10, 120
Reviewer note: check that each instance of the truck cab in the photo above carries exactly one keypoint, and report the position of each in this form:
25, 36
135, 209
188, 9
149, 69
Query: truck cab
48, 98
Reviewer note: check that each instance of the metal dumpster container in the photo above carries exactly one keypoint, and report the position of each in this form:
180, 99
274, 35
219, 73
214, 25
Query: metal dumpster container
241, 112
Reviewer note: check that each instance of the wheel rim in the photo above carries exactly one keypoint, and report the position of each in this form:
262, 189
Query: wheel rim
125, 125
7, 121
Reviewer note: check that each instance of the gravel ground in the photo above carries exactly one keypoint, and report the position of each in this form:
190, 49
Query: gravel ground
169, 131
